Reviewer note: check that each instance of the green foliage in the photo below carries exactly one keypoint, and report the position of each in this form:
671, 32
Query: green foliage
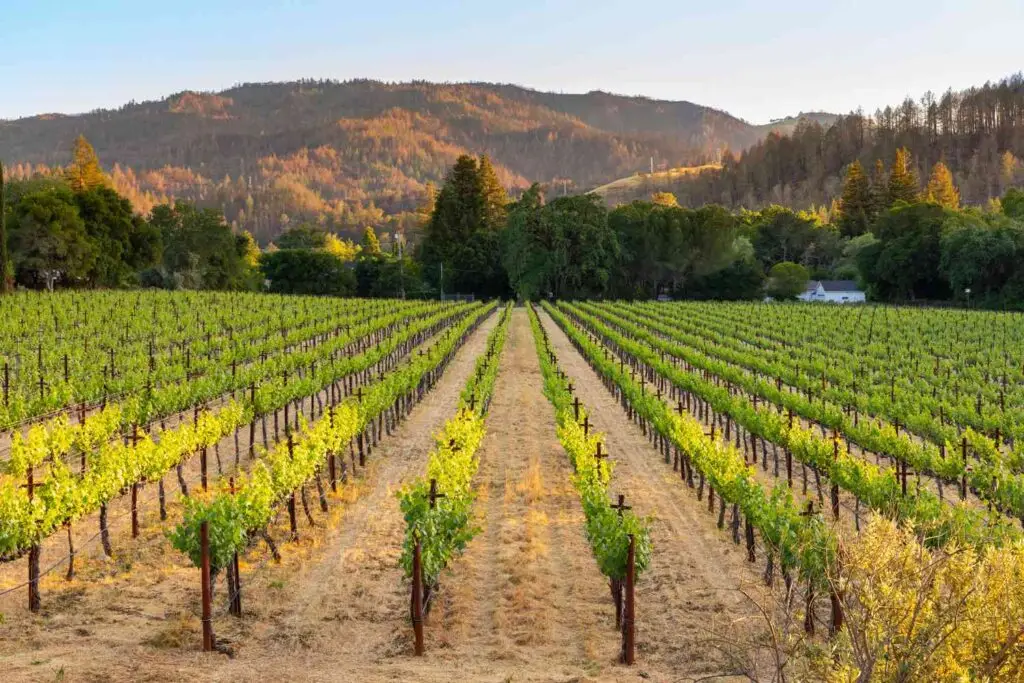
781, 234
290, 463
226, 531
495, 199
462, 238
526, 246
302, 237
981, 255
742, 279
302, 271
665, 248
904, 263
856, 209
387, 275
201, 251
1013, 203
787, 280
124, 243
48, 238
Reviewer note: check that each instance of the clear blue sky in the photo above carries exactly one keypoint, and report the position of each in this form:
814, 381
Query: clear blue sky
757, 59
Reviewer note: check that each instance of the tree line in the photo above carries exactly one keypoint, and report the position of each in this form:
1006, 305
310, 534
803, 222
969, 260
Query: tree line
900, 237
74, 230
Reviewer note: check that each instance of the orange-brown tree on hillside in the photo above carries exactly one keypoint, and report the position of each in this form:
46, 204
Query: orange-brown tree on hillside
84, 172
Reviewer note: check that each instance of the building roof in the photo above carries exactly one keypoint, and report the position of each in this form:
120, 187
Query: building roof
839, 285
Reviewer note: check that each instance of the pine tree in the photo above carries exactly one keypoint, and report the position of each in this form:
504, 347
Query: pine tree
84, 172
941, 189
879, 189
494, 196
458, 209
856, 207
903, 182
6, 276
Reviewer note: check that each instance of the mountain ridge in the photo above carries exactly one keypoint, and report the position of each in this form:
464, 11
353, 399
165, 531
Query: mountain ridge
344, 154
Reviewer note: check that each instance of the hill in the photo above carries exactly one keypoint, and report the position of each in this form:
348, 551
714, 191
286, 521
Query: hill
642, 185
348, 154
978, 133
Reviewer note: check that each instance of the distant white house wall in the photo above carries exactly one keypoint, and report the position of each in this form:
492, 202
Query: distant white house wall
833, 291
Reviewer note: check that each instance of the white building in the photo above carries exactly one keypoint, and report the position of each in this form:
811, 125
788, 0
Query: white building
834, 291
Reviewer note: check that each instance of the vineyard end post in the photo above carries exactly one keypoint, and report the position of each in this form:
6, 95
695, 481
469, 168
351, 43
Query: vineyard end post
629, 607
204, 550
417, 597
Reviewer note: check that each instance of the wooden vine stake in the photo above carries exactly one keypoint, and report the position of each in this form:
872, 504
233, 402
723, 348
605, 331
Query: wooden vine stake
234, 575
34, 601
629, 608
417, 597
204, 552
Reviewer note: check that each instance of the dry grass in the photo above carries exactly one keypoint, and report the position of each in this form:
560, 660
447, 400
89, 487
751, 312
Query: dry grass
625, 189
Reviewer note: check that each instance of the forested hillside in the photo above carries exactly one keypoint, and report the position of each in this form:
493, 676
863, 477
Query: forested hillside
978, 133
347, 155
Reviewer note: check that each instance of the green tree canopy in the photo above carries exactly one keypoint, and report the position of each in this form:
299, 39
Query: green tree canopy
49, 238
904, 263
1013, 203
200, 250
307, 271
125, 244
980, 256
462, 240
527, 245
787, 280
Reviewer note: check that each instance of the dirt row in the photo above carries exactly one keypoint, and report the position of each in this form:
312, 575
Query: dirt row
696, 613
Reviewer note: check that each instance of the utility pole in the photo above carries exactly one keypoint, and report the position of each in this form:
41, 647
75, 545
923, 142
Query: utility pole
652, 165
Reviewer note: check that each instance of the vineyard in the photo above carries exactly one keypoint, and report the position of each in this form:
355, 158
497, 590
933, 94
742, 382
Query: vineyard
241, 486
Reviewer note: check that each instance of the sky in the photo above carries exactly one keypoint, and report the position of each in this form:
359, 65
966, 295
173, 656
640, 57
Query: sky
758, 60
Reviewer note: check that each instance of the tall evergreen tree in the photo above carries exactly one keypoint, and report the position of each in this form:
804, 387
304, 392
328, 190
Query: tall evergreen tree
879, 189
903, 182
458, 214
84, 172
941, 189
494, 196
6, 276
856, 206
